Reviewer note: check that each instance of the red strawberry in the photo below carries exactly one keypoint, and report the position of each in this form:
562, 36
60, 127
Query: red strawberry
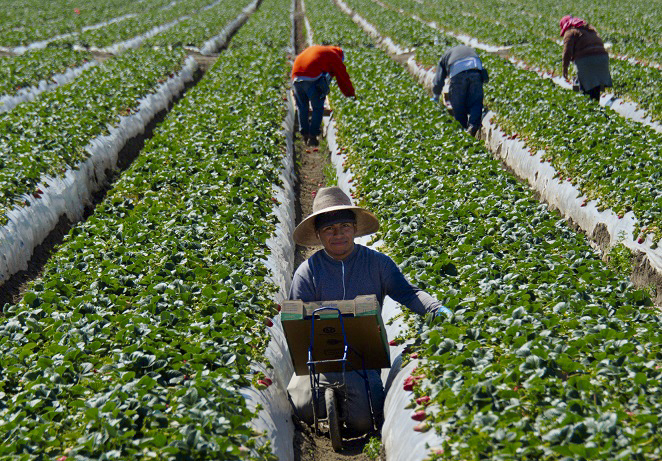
408, 387
262, 382
268, 322
423, 400
278, 307
419, 415
393, 342
268, 381
413, 355
641, 239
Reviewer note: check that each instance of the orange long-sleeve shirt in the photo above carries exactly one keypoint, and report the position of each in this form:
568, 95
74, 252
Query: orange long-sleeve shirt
315, 60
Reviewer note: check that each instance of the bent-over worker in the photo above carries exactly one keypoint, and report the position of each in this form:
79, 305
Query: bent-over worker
312, 72
343, 270
467, 75
583, 46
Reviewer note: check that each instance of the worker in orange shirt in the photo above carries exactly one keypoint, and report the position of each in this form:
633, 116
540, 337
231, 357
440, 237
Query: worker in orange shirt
312, 72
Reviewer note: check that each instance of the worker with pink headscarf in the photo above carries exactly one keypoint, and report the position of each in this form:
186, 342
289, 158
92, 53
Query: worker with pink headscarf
583, 46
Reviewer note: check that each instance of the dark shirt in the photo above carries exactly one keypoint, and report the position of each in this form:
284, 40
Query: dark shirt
457, 53
364, 272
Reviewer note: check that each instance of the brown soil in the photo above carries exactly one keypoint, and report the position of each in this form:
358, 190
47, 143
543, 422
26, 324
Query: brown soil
645, 276
205, 62
309, 169
311, 447
101, 56
12, 291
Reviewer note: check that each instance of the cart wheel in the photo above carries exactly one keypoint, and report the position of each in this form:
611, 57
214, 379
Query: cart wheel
332, 415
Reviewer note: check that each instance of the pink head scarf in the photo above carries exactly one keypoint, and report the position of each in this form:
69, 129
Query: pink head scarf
568, 21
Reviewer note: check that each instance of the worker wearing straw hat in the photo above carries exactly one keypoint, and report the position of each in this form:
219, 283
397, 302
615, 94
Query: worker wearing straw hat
344, 270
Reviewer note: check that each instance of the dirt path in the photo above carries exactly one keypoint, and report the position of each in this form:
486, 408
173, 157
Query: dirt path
310, 171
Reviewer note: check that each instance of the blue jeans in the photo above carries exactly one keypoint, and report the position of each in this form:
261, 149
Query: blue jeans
466, 97
311, 92
357, 405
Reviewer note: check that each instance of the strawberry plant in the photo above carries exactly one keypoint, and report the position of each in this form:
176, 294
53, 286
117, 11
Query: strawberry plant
151, 19
25, 23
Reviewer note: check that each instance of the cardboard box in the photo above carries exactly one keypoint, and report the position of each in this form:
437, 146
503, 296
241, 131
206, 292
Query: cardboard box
364, 330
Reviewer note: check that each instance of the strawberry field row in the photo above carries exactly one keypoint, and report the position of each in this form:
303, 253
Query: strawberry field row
194, 31
27, 70
194, 13
144, 327
636, 38
50, 135
548, 354
609, 159
26, 22
631, 81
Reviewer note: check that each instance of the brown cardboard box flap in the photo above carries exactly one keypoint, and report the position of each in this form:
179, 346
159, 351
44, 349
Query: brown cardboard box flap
364, 330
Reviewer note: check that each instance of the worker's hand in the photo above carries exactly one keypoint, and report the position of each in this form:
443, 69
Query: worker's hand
443, 311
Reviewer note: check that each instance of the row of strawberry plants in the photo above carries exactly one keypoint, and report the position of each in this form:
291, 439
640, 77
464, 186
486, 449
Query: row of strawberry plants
636, 39
26, 22
201, 27
619, 172
142, 24
142, 331
27, 70
47, 136
631, 81
548, 353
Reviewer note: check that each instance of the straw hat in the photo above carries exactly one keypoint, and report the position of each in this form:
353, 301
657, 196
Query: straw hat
333, 199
